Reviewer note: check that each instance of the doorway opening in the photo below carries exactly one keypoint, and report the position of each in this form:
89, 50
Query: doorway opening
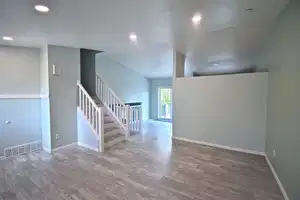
165, 103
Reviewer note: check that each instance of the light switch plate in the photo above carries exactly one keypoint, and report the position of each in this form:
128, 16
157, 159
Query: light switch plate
56, 70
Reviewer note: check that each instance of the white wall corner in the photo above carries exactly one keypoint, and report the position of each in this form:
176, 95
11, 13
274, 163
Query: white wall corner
88, 146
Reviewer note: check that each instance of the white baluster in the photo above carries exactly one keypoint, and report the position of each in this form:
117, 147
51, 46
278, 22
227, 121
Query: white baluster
89, 111
101, 91
140, 119
84, 105
79, 92
135, 115
93, 117
117, 109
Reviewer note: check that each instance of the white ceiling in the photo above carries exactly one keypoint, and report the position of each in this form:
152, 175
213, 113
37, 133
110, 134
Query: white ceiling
227, 34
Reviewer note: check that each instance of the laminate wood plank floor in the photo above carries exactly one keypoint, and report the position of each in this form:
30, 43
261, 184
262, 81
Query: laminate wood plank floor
149, 166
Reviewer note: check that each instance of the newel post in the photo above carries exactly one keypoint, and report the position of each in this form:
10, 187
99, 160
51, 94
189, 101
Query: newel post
140, 119
101, 128
128, 117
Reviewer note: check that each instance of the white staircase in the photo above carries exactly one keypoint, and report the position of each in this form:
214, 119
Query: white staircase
111, 120
128, 117
113, 133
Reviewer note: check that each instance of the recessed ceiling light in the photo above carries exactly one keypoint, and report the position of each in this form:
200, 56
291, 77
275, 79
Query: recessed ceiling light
42, 8
133, 37
6, 38
197, 18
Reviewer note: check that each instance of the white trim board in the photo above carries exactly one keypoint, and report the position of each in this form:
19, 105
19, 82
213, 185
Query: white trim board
21, 96
220, 146
88, 146
58, 148
277, 179
47, 149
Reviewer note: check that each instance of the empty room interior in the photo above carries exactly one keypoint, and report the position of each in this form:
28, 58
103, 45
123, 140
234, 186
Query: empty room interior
149, 100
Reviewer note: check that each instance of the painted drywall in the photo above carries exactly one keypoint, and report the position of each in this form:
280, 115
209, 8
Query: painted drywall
63, 94
129, 85
20, 70
228, 110
179, 67
20, 76
25, 126
87, 70
45, 101
86, 135
281, 57
155, 84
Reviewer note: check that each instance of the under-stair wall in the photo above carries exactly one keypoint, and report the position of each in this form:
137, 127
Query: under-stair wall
85, 133
64, 72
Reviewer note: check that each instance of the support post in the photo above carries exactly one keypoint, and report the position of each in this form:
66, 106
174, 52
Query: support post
140, 119
128, 117
101, 129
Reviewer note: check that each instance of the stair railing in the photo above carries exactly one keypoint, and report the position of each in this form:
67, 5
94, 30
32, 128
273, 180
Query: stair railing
93, 113
113, 104
135, 118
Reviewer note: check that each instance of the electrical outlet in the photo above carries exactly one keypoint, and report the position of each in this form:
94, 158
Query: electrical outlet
57, 136
274, 153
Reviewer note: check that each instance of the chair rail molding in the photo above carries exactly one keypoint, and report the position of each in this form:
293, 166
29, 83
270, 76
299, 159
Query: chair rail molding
23, 96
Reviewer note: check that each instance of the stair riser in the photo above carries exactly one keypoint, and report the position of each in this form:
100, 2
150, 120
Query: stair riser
111, 133
110, 125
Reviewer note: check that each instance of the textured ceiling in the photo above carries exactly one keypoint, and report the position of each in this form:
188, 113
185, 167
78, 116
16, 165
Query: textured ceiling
227, 37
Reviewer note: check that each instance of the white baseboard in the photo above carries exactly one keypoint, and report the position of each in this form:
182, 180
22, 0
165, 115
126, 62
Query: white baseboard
220, 146
64, 146
47, 149
277, 179
88, 146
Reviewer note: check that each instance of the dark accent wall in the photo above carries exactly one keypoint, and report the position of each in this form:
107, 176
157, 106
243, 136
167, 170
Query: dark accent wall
88, 70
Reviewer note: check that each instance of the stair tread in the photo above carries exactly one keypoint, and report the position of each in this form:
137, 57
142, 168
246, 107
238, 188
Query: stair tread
107, 130
110, 138
109, 121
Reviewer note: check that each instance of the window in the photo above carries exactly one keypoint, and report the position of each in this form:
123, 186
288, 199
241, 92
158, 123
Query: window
164, 103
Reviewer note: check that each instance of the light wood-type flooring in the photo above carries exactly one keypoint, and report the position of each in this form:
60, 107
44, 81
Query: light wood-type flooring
149, 166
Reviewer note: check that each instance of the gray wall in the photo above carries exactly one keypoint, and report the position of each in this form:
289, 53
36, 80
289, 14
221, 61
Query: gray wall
154, 85
129, 85
228, 110
87, 69
45, 101
20, 72
63, 94
281, 56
